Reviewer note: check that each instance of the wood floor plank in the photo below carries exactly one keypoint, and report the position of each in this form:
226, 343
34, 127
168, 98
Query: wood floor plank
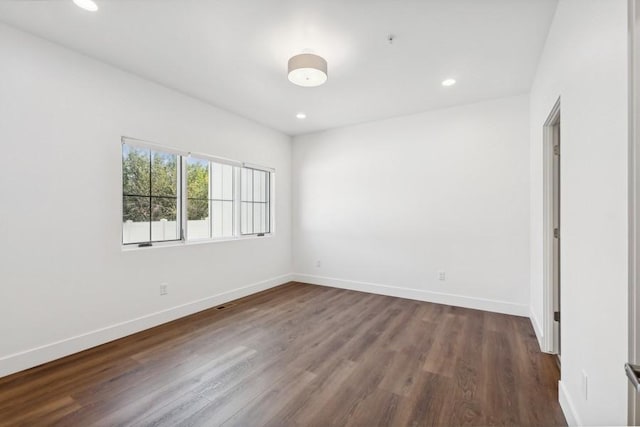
269, 405
378, 408
499, 392
46, 413
445, 346
317, 394
151, 399
174, 413
430, 404
301, 355
357, 387
466, 397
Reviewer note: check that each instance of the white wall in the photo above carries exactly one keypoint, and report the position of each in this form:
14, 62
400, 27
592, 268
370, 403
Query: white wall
386, 205
65, 289
585, 63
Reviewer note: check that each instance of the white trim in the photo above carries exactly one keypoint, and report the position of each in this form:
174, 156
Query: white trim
141, 143
36, 356
272, 203
258, 167
178, 243
418, 294
547, 345
536, 327
215, 159
568, 408
633, 409
184, 232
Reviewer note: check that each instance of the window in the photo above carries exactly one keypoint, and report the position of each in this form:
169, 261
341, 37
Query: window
255, 204
222, 199
150, 195
210, 188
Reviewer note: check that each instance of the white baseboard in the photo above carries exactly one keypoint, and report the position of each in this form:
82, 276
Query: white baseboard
536, 328
567, 406
418, 294
36, 356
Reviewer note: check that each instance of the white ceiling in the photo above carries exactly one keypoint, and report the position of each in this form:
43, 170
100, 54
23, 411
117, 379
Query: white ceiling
233, 53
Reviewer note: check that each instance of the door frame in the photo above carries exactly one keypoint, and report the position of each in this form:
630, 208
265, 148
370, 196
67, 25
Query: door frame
549, 334
634, 200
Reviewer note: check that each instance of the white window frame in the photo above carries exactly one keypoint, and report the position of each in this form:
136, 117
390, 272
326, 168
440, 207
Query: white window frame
131, 142
234, 209
181, 215
269, 202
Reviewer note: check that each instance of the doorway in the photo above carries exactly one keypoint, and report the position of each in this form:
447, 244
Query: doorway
552, 232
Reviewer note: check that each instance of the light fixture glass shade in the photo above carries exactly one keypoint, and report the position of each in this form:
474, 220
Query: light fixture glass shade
307, 70
89, 5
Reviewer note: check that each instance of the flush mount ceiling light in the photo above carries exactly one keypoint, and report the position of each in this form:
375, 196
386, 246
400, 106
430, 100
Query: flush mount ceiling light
301, 116
307, 70
448, 82
89, 5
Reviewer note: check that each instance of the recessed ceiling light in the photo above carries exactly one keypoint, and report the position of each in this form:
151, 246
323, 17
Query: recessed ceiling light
307, 70
301, 116
89, 5
448, 82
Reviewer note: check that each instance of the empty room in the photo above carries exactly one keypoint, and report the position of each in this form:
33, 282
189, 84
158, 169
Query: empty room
329, 213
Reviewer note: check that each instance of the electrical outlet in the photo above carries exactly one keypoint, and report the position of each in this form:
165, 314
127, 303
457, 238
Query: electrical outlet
585, 384
164, 288
442, 275
318, 263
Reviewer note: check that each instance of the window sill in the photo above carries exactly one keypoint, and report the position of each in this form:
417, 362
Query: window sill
135, 247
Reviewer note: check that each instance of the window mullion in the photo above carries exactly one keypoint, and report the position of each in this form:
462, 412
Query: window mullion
221, 198
183, 199
267, 206
233, 204
253, 202
237, 201
210, 201
150, 196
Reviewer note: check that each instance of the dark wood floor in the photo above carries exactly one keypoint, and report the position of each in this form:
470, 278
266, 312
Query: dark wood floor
301, 355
